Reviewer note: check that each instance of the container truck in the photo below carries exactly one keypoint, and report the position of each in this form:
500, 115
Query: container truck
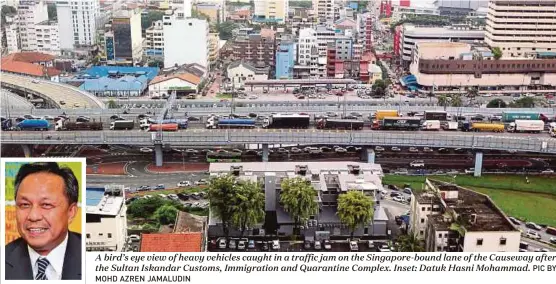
431, 125
33, 124
122, 125
145, 124
526, 126
513, 116
381, 114
436, 115
7, 124
340, 124
287, 121
64, 125
450, 126
400, 123
482, 127
164, 127
230, 123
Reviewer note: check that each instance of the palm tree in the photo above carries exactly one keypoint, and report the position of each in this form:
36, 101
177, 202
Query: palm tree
472, 93
456, 101
355, 209
249, 203
443, 100
409, 243
221, 190
297, 195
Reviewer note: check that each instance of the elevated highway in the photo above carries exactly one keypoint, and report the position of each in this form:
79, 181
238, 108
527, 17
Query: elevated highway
53, 93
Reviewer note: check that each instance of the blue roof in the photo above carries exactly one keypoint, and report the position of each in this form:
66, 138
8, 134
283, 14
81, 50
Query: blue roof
104, 71
126, 83
93, 195
408, 80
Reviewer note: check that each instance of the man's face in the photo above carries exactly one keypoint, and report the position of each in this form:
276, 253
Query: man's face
43, 212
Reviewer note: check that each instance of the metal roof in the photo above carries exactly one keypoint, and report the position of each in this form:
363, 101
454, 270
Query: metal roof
301, 82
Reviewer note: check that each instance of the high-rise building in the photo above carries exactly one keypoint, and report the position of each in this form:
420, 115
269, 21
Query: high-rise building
77, 22
186, 40
11, 33
30, 13
326, 11
285, 59
123, 41
154, 40
271, 11
518, 28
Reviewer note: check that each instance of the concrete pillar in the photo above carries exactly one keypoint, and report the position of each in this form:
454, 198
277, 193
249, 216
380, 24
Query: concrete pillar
265, 152
27, 150
478, 164
158, 154
371, 155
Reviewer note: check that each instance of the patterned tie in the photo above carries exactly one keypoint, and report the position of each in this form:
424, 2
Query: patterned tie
42, 263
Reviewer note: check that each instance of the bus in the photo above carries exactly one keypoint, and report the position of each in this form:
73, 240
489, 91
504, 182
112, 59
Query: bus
223, 157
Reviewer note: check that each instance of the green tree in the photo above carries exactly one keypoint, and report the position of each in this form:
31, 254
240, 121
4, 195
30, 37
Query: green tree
443, 100
526, 102
149, 18
225, 30
497, 53
472, 93
497, 103
156, 63
149, 227
355, 209
112, 104
221, 191
379, 88
166, 214
145, 208
196, 14
297, 196
409, 243
456, 100
249, 201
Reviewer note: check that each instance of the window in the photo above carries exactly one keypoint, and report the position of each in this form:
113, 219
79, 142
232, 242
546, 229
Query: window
428, 209
422, 208
502, 241
438, 248
440, 235
109, 235
88, 236
422, 220
421, 232
100, 234
479, 242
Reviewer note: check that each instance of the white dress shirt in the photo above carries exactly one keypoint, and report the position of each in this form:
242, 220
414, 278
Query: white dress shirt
56, 259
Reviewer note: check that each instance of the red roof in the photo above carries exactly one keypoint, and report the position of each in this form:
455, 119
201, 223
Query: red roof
23, 63
181, 242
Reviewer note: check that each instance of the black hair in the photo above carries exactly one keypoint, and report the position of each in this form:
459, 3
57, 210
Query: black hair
70, 181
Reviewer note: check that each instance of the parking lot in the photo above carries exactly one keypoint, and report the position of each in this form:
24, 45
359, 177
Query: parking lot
293, 246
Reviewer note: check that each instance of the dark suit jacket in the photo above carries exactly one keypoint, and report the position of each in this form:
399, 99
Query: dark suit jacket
19, 267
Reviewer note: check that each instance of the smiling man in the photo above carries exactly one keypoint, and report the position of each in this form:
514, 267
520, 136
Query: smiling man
46, 199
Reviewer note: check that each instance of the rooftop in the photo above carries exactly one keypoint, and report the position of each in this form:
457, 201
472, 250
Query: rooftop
247, 65
448, 31
188, 77
312, 167
24, 63
172, 242
99, 202
189, 223
120, 71
126, 83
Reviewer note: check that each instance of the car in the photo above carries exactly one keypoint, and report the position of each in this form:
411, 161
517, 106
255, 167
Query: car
307, 245
413, 150
327, 245
427, 150
356, 114
183, 196
547, 172
533, 226
395, 149
143, 188
318, 245
553, 240
331, 114
191, 151
253, 97
135, 238
295, 150
192, 118
145, 150
312, 150
83, 119
75, 105
160, 187
35, 81
184, 183
201, 182
251, 244
443, 150
533, 235
275, 244
232, 244
379, 149
340, 150
62, 102
514, 221
417, 164
394, 194
282, 151
325, 149
370, 244
48, 117
241, 244
399, 198
173, 196
407, 190
353, 246
115, 116
470, 171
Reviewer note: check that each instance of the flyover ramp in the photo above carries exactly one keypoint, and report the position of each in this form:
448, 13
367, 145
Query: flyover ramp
52, 92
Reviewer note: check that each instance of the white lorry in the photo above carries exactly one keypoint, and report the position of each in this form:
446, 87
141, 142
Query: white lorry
431, 125
526, 126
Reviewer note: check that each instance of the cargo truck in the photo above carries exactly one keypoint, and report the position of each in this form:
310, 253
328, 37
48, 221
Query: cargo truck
436, 115
482, 127
400, 123
145, 124
230, 123
164, 127
513, 116
381, 114
65, 125
526, 126
348, 124
287, 121
122, 125
431, 125
450, 126
7, 124
33, 124
552, 129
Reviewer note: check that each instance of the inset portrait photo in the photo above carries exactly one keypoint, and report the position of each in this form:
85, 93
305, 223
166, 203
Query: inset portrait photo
43, 219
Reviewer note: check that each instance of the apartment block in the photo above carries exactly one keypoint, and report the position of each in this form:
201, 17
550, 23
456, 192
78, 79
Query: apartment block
30, 13
106, 219
186, 40
77, 22
257, 48
271, 11
154, 41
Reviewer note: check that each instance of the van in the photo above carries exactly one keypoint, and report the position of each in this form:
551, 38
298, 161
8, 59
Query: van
551, 230
523, 245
